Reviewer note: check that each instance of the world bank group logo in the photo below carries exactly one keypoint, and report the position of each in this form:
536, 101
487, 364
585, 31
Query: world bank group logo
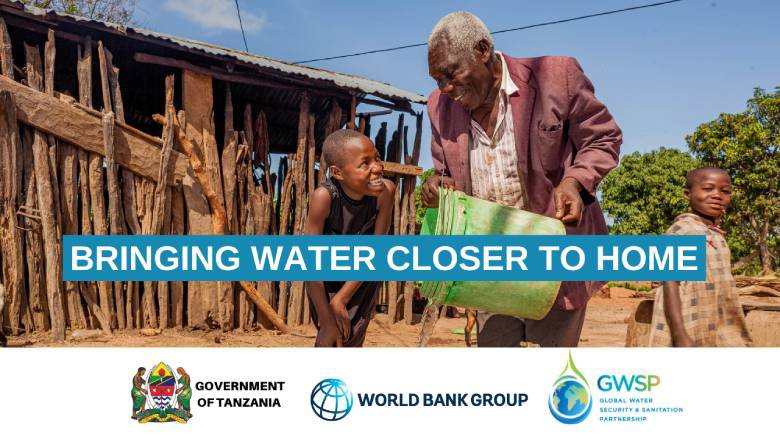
161, 394
331, 399
570, 400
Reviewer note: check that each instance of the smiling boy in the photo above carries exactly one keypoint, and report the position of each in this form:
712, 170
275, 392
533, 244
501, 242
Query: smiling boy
355, 200
688, 314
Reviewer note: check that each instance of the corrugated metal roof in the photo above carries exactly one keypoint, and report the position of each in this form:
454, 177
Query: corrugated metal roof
341, 80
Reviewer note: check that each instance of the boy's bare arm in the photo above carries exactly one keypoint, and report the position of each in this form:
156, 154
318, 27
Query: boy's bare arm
673, 314
329, 334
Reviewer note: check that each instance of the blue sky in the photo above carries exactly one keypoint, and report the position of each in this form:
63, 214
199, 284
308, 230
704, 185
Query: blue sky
661, 71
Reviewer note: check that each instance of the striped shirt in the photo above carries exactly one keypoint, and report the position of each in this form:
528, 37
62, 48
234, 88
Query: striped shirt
494, 171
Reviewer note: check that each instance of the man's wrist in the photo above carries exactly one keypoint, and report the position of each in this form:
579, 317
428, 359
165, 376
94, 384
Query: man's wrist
571, 182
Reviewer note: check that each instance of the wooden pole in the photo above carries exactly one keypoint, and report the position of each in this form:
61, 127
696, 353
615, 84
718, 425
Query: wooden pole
11, 239
51, 234
36, 281
352, 111
305, 129
84, 72
104, 81
333, 124
6, 53
160, 192
412, 216
98, 202
177, 288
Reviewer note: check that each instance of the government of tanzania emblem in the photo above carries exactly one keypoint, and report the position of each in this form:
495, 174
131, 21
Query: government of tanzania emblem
161, 395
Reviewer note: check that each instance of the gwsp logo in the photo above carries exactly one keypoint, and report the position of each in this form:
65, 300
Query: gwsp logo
570, 400
628, 383
331, 399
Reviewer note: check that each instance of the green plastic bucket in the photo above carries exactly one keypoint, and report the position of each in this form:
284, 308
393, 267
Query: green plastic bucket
460, 214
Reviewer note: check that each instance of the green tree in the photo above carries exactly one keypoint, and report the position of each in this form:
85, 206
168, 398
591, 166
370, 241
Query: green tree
113, 11
645, 193
419, 206
747, 146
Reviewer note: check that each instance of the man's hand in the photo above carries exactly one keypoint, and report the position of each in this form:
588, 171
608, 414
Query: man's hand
328, 336
430, 190
342, 317
568, 202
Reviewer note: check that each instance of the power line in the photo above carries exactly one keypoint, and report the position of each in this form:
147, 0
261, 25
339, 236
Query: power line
241, 23
530, 26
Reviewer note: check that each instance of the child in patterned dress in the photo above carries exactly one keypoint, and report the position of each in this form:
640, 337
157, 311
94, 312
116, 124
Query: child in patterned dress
688, 314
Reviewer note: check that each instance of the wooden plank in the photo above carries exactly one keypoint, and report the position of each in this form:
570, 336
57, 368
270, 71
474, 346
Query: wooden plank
148, 308
248, 126
137, 152
70, 226
262, 150
33, 69
36, 282
113, 82
104, 81
412, 216
87, 291
51, 234
161, 192
310, 159
167, 149
198, 223
243, 218
230, 179
283, 228
84, 71
294, 313
395, 169
49, 56
333, 123
352, 110
177, 288
12, 242
6, 53
100, 227
231, 208
109, 80
85, 228
116, 219
198, 104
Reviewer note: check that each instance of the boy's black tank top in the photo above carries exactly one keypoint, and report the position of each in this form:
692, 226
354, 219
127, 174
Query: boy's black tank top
351, 217
348, 216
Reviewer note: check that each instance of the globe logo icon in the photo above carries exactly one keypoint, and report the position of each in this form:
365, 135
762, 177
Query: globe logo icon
331, 400
570, 400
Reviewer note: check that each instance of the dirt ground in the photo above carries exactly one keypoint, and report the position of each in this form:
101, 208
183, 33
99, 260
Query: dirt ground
605, 326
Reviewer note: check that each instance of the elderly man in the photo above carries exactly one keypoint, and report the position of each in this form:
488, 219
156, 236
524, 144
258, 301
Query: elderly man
523, 132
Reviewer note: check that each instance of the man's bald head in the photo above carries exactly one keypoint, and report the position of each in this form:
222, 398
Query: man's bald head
461, 31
